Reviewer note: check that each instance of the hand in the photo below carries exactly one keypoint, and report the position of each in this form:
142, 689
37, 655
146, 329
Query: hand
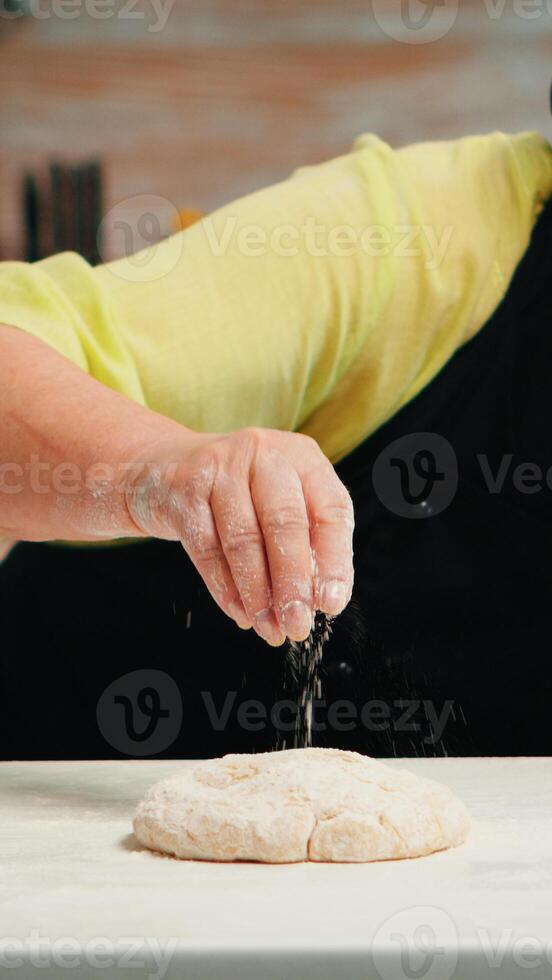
5, 548
264, 518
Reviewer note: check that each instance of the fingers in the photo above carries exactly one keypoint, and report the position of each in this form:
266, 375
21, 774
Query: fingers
269, 526
331, 528
279, 502
244, 551
192, 517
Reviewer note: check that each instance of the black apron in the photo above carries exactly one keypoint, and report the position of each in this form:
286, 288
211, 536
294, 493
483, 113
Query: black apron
117, 652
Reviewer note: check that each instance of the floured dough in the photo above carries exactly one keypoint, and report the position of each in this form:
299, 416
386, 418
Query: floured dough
299, 805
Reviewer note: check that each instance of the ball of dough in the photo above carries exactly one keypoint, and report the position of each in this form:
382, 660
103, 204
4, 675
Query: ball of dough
299, 805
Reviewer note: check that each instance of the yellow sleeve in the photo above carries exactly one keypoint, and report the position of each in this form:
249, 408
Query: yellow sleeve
60, 300
321, 304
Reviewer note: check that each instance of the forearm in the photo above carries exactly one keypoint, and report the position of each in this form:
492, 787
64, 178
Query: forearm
67, 446
261, 513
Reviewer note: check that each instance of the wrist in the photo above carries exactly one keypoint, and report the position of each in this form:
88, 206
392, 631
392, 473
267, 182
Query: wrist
150, 479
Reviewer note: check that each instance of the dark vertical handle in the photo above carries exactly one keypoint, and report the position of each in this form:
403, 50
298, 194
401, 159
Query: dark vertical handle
95, 178
57, 207
31, 216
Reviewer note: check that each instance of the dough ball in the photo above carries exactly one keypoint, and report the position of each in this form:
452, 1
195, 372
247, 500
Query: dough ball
299, 805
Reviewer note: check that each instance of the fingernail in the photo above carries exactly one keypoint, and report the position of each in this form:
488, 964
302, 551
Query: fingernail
267, 626
334, 596
239, 614
297, 620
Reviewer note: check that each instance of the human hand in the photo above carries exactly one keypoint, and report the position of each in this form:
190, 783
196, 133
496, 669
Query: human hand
263, 517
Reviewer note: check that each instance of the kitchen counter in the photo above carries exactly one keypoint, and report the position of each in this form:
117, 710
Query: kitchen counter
80, 898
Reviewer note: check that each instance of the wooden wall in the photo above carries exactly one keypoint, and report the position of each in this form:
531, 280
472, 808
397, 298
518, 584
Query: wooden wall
228, 95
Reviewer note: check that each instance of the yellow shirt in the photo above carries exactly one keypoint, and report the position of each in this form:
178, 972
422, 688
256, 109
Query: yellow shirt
321, 304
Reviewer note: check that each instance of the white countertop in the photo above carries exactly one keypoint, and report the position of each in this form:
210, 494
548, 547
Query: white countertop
80, 898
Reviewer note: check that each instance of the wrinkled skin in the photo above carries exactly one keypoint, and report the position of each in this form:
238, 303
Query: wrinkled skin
264, 518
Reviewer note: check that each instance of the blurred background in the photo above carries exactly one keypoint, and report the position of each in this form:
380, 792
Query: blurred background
149, 108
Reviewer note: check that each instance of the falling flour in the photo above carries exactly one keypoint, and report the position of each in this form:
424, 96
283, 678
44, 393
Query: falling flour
303, 663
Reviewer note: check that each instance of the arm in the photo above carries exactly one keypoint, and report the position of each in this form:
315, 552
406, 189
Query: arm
321, 305
325, 303
78, 461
